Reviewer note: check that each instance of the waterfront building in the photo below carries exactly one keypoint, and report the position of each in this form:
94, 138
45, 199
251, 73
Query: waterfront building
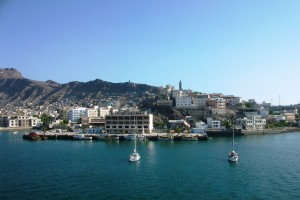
22, 121
75, 114
254, 122
91, 112
214, 124
289, 117
128, 121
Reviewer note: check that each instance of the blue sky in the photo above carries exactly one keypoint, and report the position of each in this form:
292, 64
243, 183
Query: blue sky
249, 49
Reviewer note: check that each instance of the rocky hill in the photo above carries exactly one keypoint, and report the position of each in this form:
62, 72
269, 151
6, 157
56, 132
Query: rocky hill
14, 88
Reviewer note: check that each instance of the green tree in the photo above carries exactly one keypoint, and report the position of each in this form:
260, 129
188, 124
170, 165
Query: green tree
46, 119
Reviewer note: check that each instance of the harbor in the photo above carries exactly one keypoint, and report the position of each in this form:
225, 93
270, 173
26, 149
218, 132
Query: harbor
55, 169
107, 137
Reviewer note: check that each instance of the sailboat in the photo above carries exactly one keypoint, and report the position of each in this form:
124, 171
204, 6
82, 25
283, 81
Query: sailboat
233, 156
135, 156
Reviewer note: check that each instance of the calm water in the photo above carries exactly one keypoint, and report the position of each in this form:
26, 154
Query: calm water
269, 168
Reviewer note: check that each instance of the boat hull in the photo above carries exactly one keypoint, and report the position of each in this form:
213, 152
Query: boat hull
233, 157
134, 157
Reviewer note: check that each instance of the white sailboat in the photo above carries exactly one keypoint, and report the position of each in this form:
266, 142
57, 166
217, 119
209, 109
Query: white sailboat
233, 156
135, 156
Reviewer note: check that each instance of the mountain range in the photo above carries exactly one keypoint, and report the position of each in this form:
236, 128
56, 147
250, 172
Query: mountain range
14, 88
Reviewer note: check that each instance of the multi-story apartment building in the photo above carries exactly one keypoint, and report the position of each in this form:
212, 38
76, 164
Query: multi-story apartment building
184, 102
232, 100
251, 123
92, 112
200, 101
22, 121
216, 105
129, 121
75, 114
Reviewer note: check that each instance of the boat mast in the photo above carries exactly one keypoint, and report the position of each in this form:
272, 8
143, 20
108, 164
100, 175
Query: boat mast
233, 134
134, 135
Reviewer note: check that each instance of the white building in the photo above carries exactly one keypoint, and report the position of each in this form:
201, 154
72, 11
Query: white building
129, 121
23, 121
91, 112
211, 123
217, 105
252, 123
184, 101
264, 112
76, 113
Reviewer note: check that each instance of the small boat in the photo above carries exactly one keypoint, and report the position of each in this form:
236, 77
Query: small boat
233, 156
129, 137
14, 132
101, 136
34, 136
165, 138
111, 137
189, 137
82, 137
135, 156
203, 136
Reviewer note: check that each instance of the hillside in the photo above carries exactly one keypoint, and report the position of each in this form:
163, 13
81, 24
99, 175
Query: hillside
16, 89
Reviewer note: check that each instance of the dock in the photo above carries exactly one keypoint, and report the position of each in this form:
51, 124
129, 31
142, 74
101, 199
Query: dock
70, 136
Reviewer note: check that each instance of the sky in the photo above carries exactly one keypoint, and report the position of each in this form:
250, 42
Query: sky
249, 49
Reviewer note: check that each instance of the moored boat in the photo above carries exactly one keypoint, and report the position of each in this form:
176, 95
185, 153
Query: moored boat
129, 137
189, 137
135, 156
165, 138
82, 137
233, 156
111, 137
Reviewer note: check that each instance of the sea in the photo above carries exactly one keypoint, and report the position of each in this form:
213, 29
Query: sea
269, 168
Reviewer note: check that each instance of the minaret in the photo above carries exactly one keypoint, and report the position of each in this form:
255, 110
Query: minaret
180, 85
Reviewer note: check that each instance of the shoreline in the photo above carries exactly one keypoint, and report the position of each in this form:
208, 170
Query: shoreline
14, 128
271, 131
